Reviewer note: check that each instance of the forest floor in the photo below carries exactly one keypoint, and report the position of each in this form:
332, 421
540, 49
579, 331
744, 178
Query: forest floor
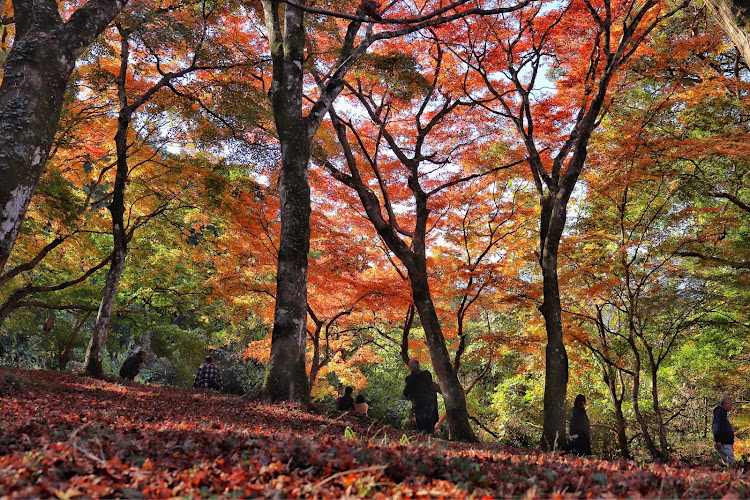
65, 436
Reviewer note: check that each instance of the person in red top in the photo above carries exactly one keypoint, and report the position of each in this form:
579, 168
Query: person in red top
208, 376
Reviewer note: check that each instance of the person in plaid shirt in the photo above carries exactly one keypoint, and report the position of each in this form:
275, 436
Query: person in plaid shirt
208, 376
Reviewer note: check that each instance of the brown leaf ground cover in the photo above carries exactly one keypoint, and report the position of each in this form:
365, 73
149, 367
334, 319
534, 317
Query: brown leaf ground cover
66, 436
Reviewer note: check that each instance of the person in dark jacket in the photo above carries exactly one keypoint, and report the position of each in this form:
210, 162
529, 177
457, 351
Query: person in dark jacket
208, 376
580, 433
346, 402
422, 391
132, 365
724, 432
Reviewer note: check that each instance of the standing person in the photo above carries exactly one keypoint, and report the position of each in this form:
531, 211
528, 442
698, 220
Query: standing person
580, 432
724, 432
208, 376
360, 406
132, 365
421, 390
345, 402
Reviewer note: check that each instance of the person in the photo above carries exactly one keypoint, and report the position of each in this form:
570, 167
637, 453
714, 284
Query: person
132, 365
208, 376
580, 433
422, 391
724, 432
346, 402
360, 406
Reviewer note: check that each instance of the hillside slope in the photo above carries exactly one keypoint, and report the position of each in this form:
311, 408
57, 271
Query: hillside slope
65, 436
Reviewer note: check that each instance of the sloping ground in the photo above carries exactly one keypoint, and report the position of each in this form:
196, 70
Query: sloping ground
66, 436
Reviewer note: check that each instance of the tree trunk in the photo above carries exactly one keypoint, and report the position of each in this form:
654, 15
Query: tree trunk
453, 394
286, 378
95, 350
622, 438
657, 410
65, 354
553, 216
734, 19
650, 446
35, 76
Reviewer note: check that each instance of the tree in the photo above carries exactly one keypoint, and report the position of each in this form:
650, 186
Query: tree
509, 56
122, 230
408, 155
36, 73
734, 18
287, 31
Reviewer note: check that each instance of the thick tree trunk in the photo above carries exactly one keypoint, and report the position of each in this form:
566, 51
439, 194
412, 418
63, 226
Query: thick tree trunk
453, 393
35, 76
286, 378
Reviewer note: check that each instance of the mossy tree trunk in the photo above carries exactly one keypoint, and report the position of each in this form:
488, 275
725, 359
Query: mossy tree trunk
36, 75
286, 378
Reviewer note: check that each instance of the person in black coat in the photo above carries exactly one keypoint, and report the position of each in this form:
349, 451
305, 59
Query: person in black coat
580, 433
422, 391
724, 432
132, 365
346, 402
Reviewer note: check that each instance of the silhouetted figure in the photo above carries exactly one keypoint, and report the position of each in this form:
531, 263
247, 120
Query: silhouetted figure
346, 402
421, 390
132, 365
360, 406
208, 376
580, 433
724, 432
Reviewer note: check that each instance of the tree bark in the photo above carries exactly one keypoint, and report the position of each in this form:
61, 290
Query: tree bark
553, 217
734, 19
286, 378
413, 257
35, 77
622, 438
650, 446
453, 393
95, 350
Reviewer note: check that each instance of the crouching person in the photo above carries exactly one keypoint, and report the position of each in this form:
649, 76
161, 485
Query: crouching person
208, 376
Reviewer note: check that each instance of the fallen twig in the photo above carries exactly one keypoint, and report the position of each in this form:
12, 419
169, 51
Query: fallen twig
345, 472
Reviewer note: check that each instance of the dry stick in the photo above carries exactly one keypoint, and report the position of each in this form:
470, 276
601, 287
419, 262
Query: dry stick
344, 472
88, 454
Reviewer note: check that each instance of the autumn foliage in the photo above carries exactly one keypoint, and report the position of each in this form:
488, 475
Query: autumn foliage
66, 436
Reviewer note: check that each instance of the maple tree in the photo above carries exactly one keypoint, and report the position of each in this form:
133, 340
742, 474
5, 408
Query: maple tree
127, 27
409, 174
295, 131
517, 48
642, 298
